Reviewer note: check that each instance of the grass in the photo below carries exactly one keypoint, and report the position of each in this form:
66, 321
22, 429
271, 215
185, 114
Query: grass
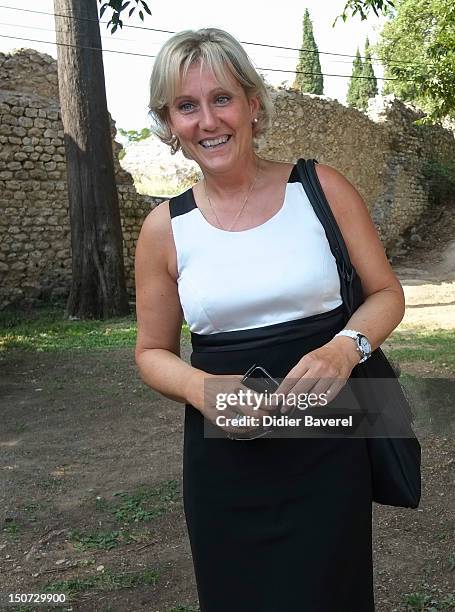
97, 541
184, 609
11, 529
452, 561
107, 540
436, 346
142, 505
20, 427
102, 581
146, 503
46, 329
428, 601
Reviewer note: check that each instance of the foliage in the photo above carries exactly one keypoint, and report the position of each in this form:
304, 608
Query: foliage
117, 6
134, 135
309, 78
353, 94
369, 84
441, 178
363, 7
363, 84
417, 46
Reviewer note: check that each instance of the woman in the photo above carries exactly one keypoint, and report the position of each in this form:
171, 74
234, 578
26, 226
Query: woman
274, 524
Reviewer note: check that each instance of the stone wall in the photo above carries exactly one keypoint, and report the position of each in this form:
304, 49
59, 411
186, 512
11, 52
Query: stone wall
35, 251
384, 154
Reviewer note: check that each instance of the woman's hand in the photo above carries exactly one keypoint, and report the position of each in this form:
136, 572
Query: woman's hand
225, 396
323, 371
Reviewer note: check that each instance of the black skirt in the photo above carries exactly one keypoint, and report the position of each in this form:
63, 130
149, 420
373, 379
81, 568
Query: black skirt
276, 524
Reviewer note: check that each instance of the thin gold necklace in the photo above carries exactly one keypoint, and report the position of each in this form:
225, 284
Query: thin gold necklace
242, 207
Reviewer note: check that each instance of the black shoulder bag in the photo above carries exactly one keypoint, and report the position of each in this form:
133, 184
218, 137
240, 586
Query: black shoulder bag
395, 461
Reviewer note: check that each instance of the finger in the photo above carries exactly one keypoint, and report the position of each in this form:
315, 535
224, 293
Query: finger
335, 389
254, 403
238, 421
304, 386
323, 391
290, 380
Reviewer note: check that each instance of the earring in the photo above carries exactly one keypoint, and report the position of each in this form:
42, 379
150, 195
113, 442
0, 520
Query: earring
255, 120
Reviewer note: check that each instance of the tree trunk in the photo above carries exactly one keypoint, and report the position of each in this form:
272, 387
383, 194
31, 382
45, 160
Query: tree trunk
98, 288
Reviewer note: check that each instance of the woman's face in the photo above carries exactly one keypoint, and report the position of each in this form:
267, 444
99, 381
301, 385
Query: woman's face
213, 122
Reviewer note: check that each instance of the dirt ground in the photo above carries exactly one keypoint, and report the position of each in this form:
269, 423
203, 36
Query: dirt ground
427, 273
78, 430
91, 482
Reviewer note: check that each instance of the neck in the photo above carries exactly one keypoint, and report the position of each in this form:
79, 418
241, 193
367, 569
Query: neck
236, 181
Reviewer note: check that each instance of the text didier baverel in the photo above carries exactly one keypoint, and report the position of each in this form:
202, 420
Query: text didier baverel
282, 421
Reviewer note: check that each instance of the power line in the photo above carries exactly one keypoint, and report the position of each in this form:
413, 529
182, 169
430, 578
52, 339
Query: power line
344, 76
49, 42
126, 25
19, 25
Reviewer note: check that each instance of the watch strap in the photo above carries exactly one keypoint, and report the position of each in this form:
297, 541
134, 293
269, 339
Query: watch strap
352, 333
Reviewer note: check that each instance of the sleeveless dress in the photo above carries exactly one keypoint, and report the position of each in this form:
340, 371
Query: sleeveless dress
275, 524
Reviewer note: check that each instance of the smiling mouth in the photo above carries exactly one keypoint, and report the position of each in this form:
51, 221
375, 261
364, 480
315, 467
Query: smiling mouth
215, 143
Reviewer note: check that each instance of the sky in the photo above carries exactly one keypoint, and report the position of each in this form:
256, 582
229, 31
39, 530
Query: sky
275, 23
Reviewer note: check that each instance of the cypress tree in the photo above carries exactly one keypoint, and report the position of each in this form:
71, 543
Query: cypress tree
353, 96
369, 86
312, 81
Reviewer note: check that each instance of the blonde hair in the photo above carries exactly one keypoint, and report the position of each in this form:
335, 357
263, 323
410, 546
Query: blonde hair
221, 52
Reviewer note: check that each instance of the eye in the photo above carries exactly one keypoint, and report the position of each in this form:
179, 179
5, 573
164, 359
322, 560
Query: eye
186, 107
222, 99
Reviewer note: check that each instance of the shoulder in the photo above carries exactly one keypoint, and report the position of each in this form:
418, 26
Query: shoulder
155, 247
330, 177
156, 230
158, 220
343, 197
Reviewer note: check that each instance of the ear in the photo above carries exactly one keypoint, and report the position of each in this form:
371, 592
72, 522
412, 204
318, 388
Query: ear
169, 121
255, 105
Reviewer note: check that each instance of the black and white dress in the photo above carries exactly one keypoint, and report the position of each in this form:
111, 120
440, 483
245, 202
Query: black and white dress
275, 525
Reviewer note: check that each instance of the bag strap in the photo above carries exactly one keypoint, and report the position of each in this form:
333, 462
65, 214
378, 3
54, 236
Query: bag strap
310, 181
348, 276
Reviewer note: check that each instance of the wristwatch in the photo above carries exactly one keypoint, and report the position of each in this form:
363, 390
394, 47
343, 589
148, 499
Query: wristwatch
362, 343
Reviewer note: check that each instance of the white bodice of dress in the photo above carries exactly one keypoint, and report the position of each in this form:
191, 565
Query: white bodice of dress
279, 271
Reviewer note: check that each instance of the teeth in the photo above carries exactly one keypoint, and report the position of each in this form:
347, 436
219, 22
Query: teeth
214, 142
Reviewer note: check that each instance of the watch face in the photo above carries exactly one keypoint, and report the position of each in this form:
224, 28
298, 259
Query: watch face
364, 345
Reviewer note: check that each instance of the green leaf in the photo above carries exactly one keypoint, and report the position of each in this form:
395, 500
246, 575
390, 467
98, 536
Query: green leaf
141, 15
146, 8
131, 11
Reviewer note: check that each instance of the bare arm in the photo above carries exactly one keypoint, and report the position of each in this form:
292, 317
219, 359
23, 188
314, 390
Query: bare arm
159, 322
159, 313
328, 367
384, 304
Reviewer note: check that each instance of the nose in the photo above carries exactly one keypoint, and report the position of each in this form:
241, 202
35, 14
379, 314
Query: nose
208, 119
